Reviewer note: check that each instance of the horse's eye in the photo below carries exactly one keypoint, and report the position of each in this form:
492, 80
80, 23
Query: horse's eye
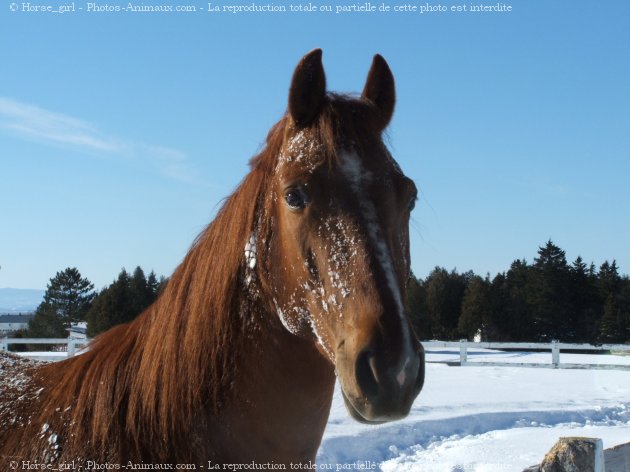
295, 199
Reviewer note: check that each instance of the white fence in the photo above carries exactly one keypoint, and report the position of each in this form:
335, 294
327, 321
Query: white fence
463, 346
554, 347
71, 343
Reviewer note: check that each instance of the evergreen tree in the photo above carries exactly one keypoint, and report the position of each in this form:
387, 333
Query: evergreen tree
513, 319
141, 294
585, 303
549, 295
154, 285
611, 329
114, 305
476, 308
615, 291
122, 301
418, 316
444, 295
549, 299
495, 328
46, 323
609, 279
68, 297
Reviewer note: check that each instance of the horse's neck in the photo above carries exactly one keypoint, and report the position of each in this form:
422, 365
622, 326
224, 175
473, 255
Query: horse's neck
282, 397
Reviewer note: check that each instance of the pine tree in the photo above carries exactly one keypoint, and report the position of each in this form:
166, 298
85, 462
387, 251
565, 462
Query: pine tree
615, 292
69, 295
122, 301
585, 304
476, 308
549, 295
612, 323
513, 318
67, 299
494, 328
154, 284
114, 305
416, 308
46, 323
141, 294
444, 295
609, 279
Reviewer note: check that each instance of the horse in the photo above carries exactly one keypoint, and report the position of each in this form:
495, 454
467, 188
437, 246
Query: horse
299, 281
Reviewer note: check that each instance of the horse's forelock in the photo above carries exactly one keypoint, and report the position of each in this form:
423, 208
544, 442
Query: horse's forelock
344, 121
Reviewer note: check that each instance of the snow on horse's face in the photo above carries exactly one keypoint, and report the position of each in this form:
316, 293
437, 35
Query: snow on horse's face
340, 250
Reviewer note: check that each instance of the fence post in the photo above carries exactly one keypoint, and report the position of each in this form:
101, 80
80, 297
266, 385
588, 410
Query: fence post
463, 352
71, 347
555, 354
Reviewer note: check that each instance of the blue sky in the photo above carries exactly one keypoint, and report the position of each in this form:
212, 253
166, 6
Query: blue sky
121, 133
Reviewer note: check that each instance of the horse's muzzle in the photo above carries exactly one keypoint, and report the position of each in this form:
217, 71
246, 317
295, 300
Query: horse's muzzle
381, 390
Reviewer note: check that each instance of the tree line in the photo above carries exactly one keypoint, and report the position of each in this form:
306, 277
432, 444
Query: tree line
546, 300
70, 298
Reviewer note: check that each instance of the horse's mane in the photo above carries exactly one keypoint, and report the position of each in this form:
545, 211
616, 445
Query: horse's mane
148, 378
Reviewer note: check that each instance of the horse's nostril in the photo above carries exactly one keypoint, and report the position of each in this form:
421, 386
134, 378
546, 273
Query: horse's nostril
365, 374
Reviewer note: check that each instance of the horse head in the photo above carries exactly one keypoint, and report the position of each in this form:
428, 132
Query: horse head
338, 253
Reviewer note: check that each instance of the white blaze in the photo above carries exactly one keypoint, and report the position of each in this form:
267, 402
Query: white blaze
358, 177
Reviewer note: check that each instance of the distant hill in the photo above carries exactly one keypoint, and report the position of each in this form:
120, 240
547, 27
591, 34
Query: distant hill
19, 300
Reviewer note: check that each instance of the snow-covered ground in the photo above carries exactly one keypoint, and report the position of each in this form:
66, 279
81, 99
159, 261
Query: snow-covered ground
483, 418
488, 419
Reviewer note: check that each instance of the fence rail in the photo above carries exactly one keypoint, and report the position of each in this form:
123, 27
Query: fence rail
71, 343
554, 346
463, 345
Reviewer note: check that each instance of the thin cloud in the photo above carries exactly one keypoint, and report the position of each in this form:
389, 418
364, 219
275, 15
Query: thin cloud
35, 123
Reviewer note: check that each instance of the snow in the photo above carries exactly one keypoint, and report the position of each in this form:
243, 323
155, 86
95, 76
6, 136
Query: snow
250, 259
483, 418
495, 450
488, 418
303, 151
250, 251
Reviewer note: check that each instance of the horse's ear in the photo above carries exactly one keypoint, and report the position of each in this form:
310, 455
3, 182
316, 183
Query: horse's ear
308, 88
380, 90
